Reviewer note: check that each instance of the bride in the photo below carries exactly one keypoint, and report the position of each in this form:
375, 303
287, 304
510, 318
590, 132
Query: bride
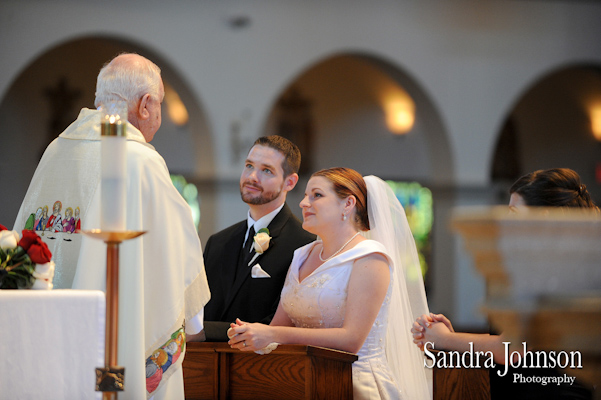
362, 291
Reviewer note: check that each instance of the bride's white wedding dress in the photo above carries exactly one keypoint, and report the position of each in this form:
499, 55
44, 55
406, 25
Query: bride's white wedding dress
319, 301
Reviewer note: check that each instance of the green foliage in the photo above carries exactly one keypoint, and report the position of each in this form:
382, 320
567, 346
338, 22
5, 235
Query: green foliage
16, 269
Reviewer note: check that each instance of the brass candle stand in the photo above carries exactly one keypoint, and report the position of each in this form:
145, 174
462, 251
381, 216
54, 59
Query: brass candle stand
110, 378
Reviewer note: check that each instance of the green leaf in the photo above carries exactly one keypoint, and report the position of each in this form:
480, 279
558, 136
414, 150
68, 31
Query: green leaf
19, 253
263, 230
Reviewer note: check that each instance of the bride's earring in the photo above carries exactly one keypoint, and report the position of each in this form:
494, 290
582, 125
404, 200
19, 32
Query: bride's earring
343, 216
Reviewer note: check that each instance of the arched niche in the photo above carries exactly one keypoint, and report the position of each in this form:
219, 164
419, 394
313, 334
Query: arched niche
48, 94
341, 121
346, 95
550, 126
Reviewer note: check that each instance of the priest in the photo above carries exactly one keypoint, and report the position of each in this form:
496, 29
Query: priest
163, 286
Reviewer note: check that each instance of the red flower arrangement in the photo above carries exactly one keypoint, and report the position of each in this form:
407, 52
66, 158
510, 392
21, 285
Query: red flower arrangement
25, 262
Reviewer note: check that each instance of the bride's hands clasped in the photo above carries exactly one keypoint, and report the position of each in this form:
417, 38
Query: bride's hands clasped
246, 336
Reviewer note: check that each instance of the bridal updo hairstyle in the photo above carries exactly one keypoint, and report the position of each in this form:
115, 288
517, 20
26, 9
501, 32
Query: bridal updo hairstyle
558, 187
348, 182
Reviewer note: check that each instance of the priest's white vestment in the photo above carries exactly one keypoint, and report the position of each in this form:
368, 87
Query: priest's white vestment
162, 282
64, 181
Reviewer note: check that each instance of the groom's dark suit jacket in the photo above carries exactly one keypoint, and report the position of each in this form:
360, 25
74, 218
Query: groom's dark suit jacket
247, 298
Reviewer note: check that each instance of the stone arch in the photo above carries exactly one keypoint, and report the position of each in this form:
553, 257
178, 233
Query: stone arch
326, 83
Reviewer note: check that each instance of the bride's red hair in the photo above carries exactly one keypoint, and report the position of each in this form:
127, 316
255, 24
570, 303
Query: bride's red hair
348, 182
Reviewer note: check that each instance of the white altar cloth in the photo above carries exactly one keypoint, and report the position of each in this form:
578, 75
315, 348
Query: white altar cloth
51, 342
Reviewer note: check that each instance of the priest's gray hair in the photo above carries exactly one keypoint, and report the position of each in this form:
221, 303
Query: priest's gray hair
128, 77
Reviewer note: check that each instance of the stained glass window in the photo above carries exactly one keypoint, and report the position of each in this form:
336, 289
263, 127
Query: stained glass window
417, 202
189, 192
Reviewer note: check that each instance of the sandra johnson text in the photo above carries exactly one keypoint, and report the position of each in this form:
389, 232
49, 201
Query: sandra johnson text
515, 359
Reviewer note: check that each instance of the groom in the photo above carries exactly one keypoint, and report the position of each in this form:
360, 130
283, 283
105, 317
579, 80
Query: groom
245, 284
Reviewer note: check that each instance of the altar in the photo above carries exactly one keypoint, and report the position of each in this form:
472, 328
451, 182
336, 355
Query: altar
51, 342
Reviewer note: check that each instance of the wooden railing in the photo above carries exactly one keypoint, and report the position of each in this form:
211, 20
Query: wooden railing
215, 371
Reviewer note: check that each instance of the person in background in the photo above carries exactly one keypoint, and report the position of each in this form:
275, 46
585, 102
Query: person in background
557, 187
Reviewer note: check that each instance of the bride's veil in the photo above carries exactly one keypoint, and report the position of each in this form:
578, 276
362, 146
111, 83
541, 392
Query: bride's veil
389, 226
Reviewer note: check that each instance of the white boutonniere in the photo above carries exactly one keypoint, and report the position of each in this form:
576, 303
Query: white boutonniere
260, 243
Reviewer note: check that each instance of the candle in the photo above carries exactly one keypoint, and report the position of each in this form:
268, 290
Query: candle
113, 124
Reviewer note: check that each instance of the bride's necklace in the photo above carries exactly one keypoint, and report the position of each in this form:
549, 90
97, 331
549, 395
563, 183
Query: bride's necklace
339, 250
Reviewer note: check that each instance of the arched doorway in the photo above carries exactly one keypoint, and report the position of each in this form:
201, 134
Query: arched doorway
347, 97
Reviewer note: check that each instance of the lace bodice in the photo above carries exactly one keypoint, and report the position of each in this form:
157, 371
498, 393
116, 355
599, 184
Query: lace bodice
319, 301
